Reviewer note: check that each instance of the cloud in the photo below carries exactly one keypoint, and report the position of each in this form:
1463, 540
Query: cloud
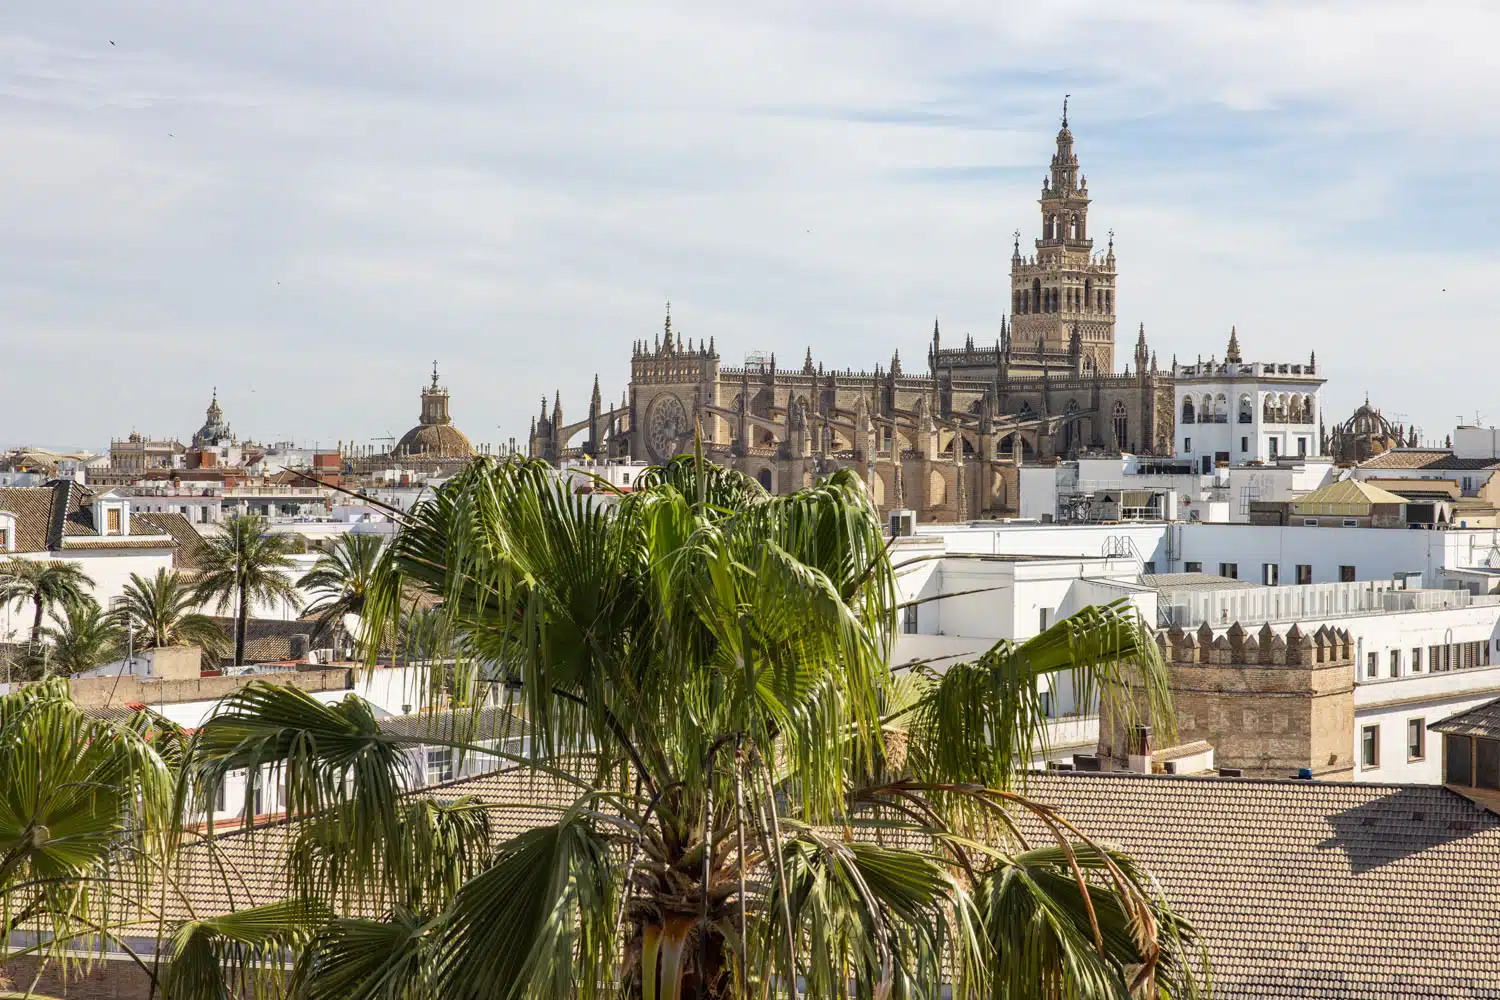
304, 206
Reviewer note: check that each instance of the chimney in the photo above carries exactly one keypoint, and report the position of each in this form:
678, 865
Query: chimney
1139, 754
298, 645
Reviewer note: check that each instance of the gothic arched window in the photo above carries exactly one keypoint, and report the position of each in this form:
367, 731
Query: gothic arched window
1036, 295
1088, 292
1187, 409
1122, 425
1109, 300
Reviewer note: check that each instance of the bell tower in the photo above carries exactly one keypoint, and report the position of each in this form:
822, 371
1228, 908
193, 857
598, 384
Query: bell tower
1065, 287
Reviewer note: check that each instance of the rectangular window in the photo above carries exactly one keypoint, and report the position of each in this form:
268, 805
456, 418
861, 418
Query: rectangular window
1150, 566
221, 798
1244, 444
1486, 763
1192, 567
1309, 522
1230, 570
1046, 697
1044, 616
1274, 449
1346, 574
1458, 760
1187, 444
1416, 659
112, 521
1369, 747
1302, 447
1416, 739
1372, 665
1395, 662
439, 764
1270, 574
4, 539
909, 620
1350, 522
1304, 573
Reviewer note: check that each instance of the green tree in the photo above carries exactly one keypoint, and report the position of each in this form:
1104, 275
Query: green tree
81, 637
243, 563
745, 795
158, 611
341, 578
42, 583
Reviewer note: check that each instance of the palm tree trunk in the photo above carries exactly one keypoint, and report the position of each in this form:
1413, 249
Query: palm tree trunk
239, 631
36, 622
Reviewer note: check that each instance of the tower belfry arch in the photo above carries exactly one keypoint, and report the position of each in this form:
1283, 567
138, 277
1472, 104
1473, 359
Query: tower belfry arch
1064, 286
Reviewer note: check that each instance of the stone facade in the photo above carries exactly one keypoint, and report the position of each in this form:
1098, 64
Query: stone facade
945, 442
1270, 704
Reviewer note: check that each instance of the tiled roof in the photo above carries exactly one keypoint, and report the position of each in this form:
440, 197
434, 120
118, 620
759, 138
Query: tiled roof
1427, 458
1347, 496
190, 544
1481, 720
48, 517
268, 640
1311, 889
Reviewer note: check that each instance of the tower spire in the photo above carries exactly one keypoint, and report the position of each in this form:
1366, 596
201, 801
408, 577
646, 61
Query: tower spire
1065, 110
1232, 355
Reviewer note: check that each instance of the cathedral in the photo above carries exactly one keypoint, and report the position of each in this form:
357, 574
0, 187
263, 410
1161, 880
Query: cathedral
946, 441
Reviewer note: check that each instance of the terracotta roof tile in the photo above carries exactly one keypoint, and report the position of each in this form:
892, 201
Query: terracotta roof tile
1427, 458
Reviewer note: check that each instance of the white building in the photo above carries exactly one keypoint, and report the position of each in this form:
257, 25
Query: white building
1232, 413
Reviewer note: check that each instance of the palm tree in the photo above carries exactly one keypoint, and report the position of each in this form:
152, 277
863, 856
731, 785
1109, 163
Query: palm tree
80, 638
157, 611
43, 583
84, 802
745, 795
341, 578
241, 564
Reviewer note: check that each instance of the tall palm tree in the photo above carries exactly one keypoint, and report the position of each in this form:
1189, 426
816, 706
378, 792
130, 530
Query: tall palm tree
342, 577
745, 795
243, 563
42, 583
158, 611
80, 638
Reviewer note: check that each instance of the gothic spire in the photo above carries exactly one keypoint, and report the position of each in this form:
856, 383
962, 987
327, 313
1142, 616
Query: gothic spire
711, 348
1232, 355
596, 390
896, 359
936, 337
807, 362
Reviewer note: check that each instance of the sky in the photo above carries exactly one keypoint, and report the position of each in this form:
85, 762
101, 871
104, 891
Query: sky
304, 204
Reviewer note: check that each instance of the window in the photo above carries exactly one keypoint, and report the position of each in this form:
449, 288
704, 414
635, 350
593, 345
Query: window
1230, 570
1486, 763
1416, 659
1309, 522
909, 620
1304, 573
624, 479
1043, 618
1046, 697
1274, 448
1150, 566
1192, 567
1458, 760
439, 764
1270, 574
1395, 662
1372, 665
112, 521
1369, 746
1349, 522
4, 539
1302, 447
1187, 444
1244, 444
1416, 739
1346, 574
221, 798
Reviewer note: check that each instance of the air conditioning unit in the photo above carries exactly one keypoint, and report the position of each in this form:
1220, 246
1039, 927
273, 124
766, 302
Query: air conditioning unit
903, 523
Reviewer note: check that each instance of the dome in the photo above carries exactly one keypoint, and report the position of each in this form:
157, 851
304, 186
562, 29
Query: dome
214, 430
434, 436
434, 441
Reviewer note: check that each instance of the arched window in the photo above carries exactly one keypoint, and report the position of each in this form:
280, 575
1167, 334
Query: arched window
1307, 410
1294, 409
1221, 409
1109, 300
1206, 409
765, 478
1036, 295
1088, 292
1187, 409
1246, 409
1122, 425
1268, 408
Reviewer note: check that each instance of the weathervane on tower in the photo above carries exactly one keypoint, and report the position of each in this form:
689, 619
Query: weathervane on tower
1065, 110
